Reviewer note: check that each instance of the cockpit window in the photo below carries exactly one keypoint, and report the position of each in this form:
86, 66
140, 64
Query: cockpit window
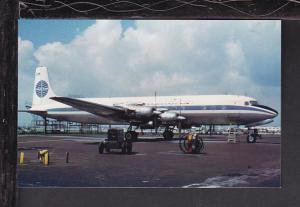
253, 102
246, 103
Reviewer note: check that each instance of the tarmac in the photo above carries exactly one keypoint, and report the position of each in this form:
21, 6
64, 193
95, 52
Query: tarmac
153, 163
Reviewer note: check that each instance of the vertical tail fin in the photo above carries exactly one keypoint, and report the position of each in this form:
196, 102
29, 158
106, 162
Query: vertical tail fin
42, 90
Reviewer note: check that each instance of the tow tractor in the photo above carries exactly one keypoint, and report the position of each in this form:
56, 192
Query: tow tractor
115, 140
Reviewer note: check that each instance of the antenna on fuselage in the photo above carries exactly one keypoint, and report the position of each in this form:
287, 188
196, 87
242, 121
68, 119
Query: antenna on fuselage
180, 106
179, 122
155, 98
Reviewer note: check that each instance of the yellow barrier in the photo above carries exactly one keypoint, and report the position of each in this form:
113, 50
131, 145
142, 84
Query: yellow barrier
43, 155
190, 137
21, 158
46, 159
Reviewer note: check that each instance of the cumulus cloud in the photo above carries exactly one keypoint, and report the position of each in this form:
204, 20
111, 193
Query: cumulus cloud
25, 54
26, 67
170, 57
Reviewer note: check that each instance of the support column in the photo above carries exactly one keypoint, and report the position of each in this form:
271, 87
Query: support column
8, 101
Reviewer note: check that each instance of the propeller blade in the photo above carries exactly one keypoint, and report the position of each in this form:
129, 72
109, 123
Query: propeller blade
161, 109
156, 112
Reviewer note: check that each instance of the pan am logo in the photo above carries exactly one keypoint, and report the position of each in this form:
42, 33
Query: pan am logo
41, 88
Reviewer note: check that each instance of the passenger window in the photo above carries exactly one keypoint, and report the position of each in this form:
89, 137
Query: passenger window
246, 103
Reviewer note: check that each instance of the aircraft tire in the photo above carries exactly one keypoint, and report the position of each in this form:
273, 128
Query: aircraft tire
101, 147
168, 135
165, 134
251, 138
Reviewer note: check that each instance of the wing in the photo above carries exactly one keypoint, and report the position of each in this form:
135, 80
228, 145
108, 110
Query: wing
93, 108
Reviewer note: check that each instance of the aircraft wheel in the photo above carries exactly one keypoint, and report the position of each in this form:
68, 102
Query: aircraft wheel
251, 138
168, 135
165, 134
101, 147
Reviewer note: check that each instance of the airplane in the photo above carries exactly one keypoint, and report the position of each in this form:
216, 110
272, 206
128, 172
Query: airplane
150, 112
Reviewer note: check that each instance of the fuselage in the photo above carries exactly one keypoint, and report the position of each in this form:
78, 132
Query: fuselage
197, 109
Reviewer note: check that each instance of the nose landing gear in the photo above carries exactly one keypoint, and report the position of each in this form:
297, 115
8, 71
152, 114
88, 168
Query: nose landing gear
252, 135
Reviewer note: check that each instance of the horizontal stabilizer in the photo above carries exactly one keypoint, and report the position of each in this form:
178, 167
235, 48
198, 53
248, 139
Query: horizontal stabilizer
35, 112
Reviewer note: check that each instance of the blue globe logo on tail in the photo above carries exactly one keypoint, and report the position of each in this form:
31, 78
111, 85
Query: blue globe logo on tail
41, 88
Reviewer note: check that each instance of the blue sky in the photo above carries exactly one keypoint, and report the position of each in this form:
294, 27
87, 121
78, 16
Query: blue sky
140, 57
43, 31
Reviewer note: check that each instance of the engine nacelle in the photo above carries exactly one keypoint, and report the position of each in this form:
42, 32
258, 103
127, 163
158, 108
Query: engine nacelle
168, 116
144, 111
148, 125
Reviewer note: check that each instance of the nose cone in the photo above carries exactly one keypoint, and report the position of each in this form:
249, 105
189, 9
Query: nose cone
269, 112
273, 113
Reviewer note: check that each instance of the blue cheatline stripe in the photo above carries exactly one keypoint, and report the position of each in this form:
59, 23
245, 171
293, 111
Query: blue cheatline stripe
182, 108
214, 107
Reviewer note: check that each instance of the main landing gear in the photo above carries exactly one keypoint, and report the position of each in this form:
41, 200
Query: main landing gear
168, 134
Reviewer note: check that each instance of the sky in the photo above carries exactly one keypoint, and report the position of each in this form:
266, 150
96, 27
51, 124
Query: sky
109, 58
